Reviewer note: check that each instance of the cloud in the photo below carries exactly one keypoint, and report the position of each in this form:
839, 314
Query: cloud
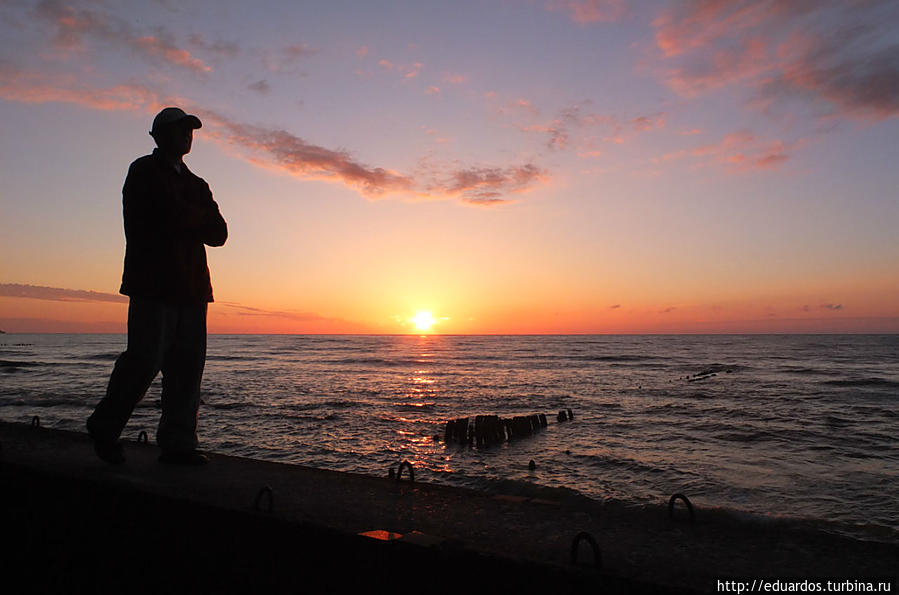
864, 86
297, 156
573, 128
57, 294
589, 11
832, 306
74, 25
432, 90
299, 51
408, 71
840, 55
455, 79
411, 71
243, 310
287, 152
260, 86
30, 87
362, 51
286, 60
489, 185
614, 306
519, 105
708, 70
220, 48
737, 151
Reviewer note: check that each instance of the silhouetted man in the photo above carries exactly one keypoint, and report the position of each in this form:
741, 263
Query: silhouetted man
169, 216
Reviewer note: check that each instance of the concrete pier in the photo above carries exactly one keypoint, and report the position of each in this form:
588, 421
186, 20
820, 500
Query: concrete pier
75, 524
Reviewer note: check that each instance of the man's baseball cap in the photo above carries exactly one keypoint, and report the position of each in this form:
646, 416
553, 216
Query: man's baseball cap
170, 115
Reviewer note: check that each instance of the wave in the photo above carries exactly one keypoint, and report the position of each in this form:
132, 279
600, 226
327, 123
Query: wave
376, 361
11, 364
46, 402
228, 406
414, 406
525, 489
748, 436
229, 358
805, 371
606, 461
109, 355
863, 382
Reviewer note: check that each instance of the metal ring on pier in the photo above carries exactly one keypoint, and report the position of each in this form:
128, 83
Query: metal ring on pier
143, 438
35, 422
399, 472
264, 491
597, 554
686, 500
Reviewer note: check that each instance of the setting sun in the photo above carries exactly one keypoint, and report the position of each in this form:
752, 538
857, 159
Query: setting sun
423, 321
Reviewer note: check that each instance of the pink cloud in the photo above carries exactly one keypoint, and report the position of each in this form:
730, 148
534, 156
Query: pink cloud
224, 49
737, 151
865, 86
410, 71
362, 51
711, 69
287, 59
516, 105
285, 151
154, 46
386, 64
278, 149
687, 26
589, 11
455, 79
487, 186
74, 25
32, 88
432, 90
571, 127
839, 55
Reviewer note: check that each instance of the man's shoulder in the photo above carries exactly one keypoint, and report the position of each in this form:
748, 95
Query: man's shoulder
143, 164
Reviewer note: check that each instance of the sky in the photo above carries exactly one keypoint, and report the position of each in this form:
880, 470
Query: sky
492, 166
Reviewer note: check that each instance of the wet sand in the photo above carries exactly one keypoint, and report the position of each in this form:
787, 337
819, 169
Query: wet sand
52, 479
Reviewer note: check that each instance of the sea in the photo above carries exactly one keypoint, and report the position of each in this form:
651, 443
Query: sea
759, 427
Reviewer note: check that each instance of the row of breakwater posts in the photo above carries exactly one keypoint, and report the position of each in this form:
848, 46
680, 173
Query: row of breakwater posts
487, 430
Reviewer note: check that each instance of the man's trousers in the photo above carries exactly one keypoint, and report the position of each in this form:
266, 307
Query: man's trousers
161, 337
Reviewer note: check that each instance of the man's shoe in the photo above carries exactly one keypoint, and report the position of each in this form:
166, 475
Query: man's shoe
192, 458
109, 451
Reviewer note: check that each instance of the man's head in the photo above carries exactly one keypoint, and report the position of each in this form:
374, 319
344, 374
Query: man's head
173, 131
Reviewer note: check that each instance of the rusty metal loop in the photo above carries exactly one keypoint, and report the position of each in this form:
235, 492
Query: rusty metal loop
686, 500
264, 491
407, 465
143, 438
597, 554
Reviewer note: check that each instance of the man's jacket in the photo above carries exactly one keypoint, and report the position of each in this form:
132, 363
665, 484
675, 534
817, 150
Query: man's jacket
168, 218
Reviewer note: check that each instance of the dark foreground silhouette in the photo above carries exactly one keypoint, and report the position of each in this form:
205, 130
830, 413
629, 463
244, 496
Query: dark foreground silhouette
170, 217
